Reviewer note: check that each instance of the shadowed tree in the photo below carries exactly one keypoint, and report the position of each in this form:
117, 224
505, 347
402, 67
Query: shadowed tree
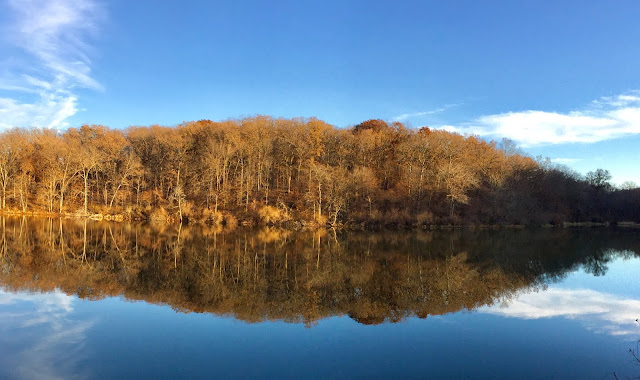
599, 179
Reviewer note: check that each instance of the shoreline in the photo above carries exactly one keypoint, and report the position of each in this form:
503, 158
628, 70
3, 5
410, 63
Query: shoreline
301, 224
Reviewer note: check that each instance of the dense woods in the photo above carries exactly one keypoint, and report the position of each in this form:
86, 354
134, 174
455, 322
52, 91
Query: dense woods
296, 172
302, 277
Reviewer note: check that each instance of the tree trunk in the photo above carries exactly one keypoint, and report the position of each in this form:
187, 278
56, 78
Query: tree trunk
4, 195
319, 200
179, 195
86, 190
61, 197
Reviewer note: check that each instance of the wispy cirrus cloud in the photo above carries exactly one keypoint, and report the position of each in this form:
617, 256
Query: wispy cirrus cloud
52, 38
565, 160
407, 116
603, 119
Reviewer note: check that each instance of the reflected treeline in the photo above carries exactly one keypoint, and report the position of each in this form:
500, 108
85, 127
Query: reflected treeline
273, 274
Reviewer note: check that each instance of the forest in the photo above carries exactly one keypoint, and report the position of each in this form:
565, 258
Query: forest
295, 173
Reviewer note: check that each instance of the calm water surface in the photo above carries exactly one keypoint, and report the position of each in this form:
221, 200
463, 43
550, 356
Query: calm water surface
98, 300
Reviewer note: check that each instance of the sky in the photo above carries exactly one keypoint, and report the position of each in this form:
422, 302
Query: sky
559, 78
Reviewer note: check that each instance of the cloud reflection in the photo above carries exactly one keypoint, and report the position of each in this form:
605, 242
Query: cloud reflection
599, 311
43, 340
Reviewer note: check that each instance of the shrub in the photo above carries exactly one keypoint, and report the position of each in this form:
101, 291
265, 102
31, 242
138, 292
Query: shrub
159, 215
272, 215
210, 216
425, 217
230, 222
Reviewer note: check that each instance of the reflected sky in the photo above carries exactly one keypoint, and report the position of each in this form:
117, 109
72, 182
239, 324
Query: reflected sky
597, 311
606, 304
42, 338
621, 279
577, 333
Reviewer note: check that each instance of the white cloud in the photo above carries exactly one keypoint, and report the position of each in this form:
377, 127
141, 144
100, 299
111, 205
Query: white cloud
604, 119
51, 111
54, 34
599, 311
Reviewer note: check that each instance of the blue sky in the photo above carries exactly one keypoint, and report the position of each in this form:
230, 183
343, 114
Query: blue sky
560, 78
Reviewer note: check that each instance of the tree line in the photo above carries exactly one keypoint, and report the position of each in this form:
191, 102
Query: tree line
263, 170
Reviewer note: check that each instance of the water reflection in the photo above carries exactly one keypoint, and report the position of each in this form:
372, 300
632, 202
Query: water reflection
303, 277
598, 311
45, 340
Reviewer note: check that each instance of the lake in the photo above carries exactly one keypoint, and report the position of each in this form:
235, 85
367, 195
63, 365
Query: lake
90, 299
